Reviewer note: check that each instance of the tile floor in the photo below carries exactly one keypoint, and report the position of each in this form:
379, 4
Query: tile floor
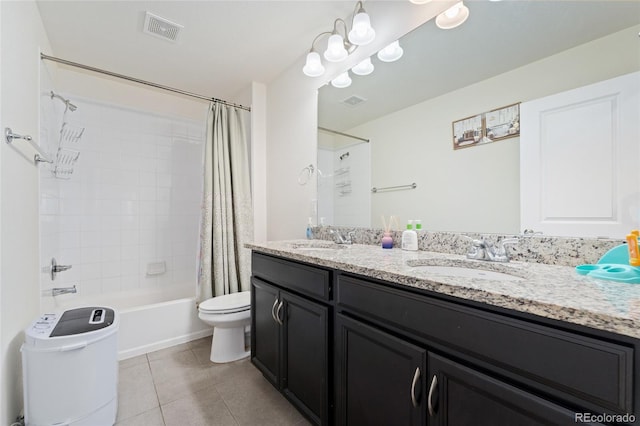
180, 386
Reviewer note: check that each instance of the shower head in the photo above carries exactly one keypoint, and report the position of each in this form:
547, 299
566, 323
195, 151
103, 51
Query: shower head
67, 102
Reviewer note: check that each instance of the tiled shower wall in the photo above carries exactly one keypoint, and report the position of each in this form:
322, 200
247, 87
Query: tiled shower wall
132, 200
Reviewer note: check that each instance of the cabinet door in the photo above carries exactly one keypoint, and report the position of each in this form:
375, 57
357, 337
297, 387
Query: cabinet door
305, 356
265, 330
381, 379
460, 396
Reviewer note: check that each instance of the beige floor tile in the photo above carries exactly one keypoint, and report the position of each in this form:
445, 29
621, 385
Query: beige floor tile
178, 375
254, 401
152, 417
163, 353
141, 359
205, 342
198, 409
136, 391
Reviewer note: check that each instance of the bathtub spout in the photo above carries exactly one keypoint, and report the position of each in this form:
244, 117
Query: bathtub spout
63, 290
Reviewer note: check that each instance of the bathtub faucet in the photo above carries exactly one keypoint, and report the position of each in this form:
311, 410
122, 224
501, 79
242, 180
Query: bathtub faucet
57, 291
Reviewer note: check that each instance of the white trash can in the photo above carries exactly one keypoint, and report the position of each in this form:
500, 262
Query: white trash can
70, 368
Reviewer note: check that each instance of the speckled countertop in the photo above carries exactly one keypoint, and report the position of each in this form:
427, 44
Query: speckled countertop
549, 291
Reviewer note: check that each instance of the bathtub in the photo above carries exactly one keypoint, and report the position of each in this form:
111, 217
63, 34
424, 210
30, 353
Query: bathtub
148, 321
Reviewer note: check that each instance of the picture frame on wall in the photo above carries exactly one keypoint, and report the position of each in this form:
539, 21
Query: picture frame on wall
502, 123
468, 131
497, 124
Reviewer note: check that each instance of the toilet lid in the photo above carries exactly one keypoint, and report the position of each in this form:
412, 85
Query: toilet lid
228, 303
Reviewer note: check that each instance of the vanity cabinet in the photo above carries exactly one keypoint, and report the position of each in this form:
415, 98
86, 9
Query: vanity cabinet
382, 377
290, 332
483, 368
352, 350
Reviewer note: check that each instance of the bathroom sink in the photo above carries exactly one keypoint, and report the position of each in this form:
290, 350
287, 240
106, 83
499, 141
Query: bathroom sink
318, 245
467, 269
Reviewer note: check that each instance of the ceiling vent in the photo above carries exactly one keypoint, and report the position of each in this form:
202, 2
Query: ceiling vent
161, 27
353, 100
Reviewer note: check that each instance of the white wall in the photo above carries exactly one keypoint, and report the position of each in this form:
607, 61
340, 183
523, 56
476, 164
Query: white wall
292, 118
22, 38
477, 189
133, 199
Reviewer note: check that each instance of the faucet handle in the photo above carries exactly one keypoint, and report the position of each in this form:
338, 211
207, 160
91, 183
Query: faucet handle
509, 241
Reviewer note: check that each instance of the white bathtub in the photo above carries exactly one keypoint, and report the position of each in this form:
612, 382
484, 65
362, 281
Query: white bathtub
148, 321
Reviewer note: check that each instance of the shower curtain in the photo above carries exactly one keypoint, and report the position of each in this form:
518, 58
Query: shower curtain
227, 222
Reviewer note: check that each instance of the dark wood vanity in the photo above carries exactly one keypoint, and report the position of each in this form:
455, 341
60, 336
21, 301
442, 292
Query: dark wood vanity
347, 349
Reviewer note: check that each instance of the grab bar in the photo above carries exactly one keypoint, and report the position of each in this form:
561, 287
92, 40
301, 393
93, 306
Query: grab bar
40, 157
394, 188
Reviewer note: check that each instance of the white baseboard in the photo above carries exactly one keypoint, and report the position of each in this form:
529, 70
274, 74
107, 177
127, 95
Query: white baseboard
155, 346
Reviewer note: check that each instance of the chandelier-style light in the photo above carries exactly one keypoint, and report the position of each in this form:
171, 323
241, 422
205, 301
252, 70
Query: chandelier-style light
453, 17
391, 53
365, 67
341, 42
342, 81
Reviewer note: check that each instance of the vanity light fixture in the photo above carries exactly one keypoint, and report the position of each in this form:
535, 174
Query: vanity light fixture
363, 68
453, 17
391, 53
341, 42
341, 81
420, 1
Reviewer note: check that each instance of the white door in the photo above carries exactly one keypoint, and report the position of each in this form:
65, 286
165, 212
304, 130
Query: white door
580, 160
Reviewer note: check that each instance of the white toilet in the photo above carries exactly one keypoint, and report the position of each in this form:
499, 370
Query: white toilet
229, 315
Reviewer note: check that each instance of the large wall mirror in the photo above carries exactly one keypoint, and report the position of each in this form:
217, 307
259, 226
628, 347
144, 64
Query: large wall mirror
399, 118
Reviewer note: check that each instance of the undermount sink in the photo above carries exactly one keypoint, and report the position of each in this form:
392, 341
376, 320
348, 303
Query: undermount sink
466, 269
317, 245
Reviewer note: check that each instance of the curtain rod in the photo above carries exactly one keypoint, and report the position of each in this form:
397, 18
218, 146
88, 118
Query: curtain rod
324, 129
137, 80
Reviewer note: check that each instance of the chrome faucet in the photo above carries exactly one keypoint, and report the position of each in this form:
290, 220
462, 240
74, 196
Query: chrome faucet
340, 239
483, 250
57, 291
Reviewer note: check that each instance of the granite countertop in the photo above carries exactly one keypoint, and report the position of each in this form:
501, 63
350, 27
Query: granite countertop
550, 291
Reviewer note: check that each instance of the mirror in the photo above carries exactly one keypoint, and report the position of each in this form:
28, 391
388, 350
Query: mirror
506, 52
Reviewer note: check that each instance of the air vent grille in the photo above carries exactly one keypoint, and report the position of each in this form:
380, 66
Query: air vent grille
353, 100
161, 27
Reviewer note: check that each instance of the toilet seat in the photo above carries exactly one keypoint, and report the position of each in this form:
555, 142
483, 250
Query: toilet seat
227, 304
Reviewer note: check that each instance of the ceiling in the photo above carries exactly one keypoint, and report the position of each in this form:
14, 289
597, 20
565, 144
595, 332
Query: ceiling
224, 46
496, 38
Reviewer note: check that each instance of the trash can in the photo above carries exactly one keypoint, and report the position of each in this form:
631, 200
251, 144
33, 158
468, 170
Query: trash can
70, 368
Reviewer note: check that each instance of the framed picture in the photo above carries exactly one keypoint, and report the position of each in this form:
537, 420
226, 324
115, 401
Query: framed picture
502, 123
467, 132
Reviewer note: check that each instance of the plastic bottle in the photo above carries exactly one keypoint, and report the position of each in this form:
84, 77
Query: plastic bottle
309, 230
418, 224
634, 256
409, 238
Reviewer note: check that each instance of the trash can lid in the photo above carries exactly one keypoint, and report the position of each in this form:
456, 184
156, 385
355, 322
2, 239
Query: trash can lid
83, 320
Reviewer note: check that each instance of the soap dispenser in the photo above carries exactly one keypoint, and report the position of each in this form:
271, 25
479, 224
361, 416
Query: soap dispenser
409, 238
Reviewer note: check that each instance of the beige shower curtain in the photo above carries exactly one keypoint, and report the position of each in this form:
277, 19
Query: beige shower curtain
227, 222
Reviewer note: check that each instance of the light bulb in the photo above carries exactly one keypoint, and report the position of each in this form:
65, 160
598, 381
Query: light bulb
391, 53
313, 67
335, 49
361, 33
453, 16
342, 81
363, 68
420, 1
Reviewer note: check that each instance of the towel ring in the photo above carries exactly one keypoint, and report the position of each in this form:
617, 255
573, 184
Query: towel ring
305, 174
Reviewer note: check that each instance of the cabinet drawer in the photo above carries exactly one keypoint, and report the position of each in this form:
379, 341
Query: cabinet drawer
303, 279
572, 366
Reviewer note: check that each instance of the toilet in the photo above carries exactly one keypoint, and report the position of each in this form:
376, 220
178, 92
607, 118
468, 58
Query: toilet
228, 315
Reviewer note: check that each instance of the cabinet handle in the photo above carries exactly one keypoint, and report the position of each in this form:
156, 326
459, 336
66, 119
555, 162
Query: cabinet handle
434, 383
416, 377
273, 310
278, 313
